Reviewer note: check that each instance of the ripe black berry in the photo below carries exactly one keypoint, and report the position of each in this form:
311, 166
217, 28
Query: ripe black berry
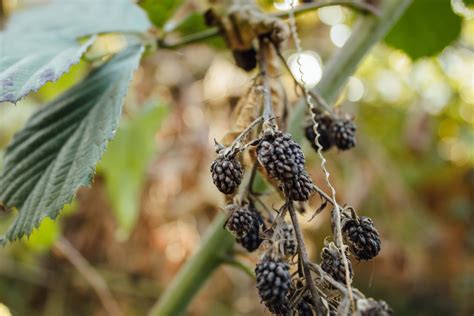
241, 220
361, 237
343, 131
299, 188
273, 283
281, 156
325, 133
226, 173
332, 263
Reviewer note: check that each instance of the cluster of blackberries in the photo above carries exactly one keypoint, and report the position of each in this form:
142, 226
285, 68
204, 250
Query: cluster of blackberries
361, 239
246, 224
284, 160
332, 131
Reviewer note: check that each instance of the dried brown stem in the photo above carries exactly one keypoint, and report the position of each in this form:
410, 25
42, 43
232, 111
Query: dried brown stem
303, 254
264, 45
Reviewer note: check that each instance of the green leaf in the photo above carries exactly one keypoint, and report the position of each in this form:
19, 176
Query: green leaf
468, 2
126, 161
41, 44
426, 28
160, 11
55, 154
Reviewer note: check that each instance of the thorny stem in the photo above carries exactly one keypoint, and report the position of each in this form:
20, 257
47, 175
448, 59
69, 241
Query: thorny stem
214, 31
262, 60
305, 260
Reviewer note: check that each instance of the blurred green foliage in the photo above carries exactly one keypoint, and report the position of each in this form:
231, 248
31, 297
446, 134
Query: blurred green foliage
425, 28
126, 162
159, 11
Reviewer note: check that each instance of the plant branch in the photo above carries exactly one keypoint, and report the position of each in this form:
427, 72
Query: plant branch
303, 254
263, 47
214, 31
90, 274
367, 32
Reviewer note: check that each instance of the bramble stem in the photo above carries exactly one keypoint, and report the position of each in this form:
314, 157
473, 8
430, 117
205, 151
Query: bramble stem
302, 252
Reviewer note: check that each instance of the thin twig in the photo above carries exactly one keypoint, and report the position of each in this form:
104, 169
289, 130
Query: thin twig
244, 133
262, 60
239, 265
321, 102
90, 274
305, 260
214, 31
327, 277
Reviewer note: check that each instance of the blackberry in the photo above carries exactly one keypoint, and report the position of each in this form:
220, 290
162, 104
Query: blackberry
241, 220
299, 188
252, 240
273, 283
343, 131
325, 133
371, 307
361, 237
226, 173
281, 156
332, 263
245, 59
286, 239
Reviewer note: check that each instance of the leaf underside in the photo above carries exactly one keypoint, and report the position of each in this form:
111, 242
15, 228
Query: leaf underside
56, 153
41, 44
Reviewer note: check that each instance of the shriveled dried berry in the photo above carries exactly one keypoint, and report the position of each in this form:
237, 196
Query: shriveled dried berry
325, 132
343, 131
299, 188
281, 156
252, 240
332, 263
361, 237
226, 173
241, 220
273, 283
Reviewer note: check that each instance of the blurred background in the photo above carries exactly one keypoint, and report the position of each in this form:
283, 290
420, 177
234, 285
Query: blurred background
153, 198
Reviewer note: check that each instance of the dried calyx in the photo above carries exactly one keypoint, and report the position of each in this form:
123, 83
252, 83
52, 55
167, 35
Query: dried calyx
332, 263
